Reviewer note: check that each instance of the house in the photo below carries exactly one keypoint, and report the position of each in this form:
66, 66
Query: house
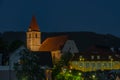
97, 57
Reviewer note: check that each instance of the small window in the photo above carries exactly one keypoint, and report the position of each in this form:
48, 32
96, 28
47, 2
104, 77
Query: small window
35, 35
29, 35
81, 64
99, 65
80, 57
98, 57
87, 65
109, 57
92, 57
93, 64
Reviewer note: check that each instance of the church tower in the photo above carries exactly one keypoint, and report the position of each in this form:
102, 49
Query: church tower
33, 36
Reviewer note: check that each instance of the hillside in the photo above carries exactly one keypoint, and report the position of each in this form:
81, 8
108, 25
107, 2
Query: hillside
82, 39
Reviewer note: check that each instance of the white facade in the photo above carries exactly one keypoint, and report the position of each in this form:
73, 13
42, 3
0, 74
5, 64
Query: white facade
15, 56
70, 46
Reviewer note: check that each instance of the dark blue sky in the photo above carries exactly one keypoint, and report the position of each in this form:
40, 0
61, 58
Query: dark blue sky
101, 16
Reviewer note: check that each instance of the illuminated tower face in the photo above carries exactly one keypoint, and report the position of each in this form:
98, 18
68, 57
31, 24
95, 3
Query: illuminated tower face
33, 36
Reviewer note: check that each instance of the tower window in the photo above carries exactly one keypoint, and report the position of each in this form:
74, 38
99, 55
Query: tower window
35, 35
29, 35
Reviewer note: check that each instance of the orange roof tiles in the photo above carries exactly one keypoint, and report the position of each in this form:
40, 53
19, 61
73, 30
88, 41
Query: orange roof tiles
53, 43
33, 25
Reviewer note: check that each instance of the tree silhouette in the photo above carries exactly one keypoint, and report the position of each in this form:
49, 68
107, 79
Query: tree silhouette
28, 67
64, 61
15, 44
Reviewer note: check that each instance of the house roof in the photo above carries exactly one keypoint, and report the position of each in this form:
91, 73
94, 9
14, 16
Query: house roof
87, 57
99, 49
53, 43
33, 25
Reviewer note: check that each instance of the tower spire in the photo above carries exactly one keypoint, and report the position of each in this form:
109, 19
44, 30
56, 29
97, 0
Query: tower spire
33, 25
33, 36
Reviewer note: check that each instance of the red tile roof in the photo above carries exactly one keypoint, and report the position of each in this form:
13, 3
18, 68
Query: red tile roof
53, 43
33, 25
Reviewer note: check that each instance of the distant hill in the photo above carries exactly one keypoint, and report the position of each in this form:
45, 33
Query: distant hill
82, 39
12, 36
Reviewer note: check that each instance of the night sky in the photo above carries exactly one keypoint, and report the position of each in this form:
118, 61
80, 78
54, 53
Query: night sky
101, 16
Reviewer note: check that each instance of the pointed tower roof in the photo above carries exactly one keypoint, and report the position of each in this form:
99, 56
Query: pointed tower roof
33, 25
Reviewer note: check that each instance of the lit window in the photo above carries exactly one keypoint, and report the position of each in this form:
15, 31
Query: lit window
92, 57
93, 64
98, 57
109, 57
81, 64
99, 65
80, 58
75, 63
87, 65
109, 64
105, 64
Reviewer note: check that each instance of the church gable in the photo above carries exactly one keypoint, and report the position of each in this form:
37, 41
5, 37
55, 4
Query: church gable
70, 46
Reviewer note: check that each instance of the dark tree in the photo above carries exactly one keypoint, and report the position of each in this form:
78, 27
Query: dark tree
15, 45
4, 51
64, 61
28, 68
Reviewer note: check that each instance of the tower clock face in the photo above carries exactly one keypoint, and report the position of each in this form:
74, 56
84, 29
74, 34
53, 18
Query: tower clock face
29, 29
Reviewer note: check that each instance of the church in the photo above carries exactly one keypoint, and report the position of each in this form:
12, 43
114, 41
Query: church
55, 45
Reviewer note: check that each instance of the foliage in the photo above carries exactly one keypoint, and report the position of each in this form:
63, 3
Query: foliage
4, 51
3, 45
69, 75
28, 67
64, 61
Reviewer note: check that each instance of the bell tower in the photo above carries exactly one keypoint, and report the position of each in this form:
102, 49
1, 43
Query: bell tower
33, 36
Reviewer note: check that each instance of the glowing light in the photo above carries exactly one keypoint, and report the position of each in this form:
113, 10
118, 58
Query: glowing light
70, 71
93, 76
80, 74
